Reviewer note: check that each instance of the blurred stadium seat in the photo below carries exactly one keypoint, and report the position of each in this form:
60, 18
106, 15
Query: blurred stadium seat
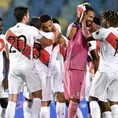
36, 7
20, 2
64, 9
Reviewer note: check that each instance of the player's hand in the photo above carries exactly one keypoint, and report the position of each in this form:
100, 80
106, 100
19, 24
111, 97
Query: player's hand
64, 44
95, 27
5, 83
57, 34
80, 12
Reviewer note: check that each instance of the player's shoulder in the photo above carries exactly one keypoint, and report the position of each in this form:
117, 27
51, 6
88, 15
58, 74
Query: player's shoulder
57, 26
101, 32
112, 29
21, 26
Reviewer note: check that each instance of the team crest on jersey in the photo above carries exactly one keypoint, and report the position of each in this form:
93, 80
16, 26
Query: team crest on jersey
2, 44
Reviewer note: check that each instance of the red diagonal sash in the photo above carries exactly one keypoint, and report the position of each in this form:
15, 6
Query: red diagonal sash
111, 39
42, 54
27, 50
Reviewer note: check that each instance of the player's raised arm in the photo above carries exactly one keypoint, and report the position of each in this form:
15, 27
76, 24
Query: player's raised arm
47, 42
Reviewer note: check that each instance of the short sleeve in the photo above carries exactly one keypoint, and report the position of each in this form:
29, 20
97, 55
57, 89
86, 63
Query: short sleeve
100, 34
92, 45
36, 34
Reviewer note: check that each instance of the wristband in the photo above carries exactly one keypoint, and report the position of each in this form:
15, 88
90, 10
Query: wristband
75, 24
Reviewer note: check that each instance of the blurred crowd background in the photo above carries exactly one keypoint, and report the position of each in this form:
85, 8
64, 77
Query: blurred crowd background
63, 10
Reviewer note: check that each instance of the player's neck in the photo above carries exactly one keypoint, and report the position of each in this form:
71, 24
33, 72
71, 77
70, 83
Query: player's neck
23, 21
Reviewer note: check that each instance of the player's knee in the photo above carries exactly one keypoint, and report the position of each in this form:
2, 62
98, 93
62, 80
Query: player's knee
4, 102
37, 94
13, 97
93, 98
104, 106
75, 100
45, 103
61, 97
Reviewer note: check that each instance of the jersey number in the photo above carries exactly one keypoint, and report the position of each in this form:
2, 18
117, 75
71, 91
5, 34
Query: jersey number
18, 42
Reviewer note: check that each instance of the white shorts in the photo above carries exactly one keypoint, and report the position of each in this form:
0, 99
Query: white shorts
58, 85
46, 81
104, 88
3, 93
26, 93
18, 77
87, 85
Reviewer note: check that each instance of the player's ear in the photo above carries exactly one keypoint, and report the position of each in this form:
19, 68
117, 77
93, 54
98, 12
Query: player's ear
25, 17
84, 15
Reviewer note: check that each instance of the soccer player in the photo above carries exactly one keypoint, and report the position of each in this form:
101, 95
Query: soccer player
104, 85
43, 70
76, 58
92, 64
20, 40
55, 65
3, 75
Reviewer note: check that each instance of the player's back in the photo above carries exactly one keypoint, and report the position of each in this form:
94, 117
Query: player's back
109, 48
20, 39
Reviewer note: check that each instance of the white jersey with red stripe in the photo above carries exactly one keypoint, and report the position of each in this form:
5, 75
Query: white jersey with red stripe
48, 49
2, 48
20, 39
108, 43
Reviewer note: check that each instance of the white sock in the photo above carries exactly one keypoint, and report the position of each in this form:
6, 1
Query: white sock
27, 109
60, 110
79, 113
114, 111
10, 111
95, 109
35, 107
107, 114
45, 112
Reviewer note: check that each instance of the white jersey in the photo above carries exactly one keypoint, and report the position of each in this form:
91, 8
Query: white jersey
48, 49
49, 35
20, 39
108, 44
2, 48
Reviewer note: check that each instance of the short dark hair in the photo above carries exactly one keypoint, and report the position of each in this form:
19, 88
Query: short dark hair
55, 21
88, 8
1, 19
35, 21
20, 12
44, 18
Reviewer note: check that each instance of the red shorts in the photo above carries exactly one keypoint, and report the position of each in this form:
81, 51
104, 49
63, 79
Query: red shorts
74, 84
